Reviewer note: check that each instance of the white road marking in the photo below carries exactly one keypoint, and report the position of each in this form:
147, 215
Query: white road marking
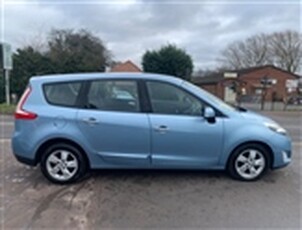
7, 140
7, 123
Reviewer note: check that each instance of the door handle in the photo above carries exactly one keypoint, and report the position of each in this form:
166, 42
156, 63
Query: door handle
90, 121
161, 128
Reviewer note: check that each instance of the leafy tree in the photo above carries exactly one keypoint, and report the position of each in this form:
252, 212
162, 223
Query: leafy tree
27, 63
77, 52
66, 52
168, 60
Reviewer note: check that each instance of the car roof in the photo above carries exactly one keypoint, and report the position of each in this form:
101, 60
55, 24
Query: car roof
93, 76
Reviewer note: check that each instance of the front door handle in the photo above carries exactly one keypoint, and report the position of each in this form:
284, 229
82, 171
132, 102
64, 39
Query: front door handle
90, 121
161, 128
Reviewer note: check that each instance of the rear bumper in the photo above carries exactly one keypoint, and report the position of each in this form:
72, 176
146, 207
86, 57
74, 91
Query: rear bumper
23, 151
25, 160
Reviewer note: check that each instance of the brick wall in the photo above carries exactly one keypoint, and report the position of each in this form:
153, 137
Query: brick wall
253, 82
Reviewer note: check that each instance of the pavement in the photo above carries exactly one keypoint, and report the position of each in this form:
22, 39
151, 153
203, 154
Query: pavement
119, 199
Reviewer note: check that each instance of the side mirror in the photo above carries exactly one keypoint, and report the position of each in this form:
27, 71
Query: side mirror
209, 114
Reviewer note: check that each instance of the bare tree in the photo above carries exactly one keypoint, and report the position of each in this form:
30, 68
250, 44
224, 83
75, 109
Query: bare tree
286, 50
250, 52
283, 49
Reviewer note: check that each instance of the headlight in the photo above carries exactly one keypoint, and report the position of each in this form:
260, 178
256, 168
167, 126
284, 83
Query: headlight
275, 127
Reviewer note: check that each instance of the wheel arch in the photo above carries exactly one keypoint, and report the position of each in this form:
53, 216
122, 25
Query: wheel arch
263, 144
53, 141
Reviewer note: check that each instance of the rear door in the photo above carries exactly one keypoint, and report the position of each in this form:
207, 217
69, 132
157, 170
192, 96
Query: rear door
113, 124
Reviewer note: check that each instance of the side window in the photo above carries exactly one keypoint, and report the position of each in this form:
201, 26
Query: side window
113, 95
168, 99
63, 94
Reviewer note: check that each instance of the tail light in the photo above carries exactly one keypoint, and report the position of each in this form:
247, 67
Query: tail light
20, 112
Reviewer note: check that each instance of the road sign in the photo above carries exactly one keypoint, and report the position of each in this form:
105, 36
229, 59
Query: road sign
6, 61
230, 75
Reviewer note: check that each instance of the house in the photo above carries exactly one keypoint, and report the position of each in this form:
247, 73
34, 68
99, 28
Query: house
127, 66
250, 84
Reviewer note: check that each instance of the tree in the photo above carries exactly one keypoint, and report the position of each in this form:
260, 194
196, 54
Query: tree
77, 52
27, 63
168, 60
283, 49
66, 51
248, 53
286, 50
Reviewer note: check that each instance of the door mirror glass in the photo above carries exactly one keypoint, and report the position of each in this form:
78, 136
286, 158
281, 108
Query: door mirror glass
209, 113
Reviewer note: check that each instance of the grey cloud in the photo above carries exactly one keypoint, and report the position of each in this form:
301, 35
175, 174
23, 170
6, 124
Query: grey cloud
130, 29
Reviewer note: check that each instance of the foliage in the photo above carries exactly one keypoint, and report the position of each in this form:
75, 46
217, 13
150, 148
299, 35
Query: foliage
168, 60
66, 52
72, 52
27, 63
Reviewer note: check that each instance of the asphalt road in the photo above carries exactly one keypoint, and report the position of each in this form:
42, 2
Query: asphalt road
116, 199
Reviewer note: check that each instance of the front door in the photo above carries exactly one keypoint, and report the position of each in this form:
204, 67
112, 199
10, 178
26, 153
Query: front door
113, 125
181, 137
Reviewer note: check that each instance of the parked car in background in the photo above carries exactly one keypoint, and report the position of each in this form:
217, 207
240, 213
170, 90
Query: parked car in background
72, 123
295, 100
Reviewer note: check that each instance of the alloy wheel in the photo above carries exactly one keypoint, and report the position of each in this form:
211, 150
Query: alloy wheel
62, 165
250, 163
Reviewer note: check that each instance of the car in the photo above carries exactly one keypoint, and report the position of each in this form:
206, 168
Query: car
295, 100
72, 123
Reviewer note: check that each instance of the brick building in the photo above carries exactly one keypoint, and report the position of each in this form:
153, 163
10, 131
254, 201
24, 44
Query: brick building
250, 84
127, 66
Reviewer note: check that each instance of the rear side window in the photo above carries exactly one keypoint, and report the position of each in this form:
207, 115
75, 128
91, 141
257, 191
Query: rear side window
113, 95
63, 94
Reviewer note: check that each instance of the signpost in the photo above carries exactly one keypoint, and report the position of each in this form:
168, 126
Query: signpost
230, 75
6, 63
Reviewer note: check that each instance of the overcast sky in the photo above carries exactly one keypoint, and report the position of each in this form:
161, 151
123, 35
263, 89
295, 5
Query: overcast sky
129, 28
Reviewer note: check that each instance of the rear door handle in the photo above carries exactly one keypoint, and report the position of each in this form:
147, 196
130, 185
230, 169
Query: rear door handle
161, 128
90, 121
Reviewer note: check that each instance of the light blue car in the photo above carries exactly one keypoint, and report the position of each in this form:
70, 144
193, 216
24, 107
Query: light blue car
72, 123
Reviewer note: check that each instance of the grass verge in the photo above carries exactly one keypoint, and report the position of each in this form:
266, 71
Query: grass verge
7, 109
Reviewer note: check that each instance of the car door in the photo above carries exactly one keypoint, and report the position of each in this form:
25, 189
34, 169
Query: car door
113, 125
181, 137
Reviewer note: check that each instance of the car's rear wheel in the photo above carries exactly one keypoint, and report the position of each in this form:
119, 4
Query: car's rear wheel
63, 163
249, 162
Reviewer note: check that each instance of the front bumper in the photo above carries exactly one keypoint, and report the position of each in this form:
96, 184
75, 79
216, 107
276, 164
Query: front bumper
282, 151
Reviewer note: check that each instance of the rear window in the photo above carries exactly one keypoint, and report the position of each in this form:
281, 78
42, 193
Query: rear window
64, 94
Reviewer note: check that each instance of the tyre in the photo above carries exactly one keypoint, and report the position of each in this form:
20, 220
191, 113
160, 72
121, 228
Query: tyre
249, 162
63, 163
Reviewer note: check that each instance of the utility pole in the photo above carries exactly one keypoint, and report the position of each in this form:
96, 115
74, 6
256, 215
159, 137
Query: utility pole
6, 64
7, 86
265, 82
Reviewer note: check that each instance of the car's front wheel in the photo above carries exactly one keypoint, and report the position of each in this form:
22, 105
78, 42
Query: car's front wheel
249, 162
63, 163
